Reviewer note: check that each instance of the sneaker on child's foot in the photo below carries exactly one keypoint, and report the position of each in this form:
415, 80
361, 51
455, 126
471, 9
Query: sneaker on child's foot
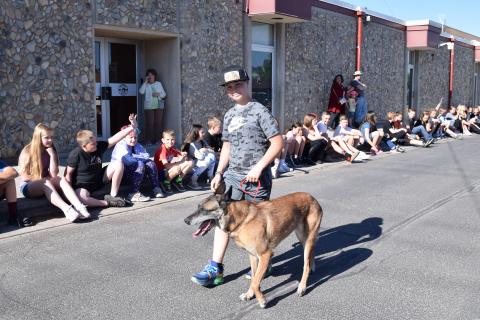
71, 214
137, 197
354, 156
158, 192
84, 214
210, 275
267, 274
274, 169
194, 185
168, 187
20, 222
178, 185
114, 201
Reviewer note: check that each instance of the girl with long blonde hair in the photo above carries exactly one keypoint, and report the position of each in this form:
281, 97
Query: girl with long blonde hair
38, 166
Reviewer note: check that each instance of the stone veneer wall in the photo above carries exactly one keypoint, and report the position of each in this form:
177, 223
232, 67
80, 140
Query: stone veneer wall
383, 65
46, 72
463, 76
433, 75
212, 39
315, 52
142, 14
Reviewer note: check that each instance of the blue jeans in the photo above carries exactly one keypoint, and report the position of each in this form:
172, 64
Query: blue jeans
420, 130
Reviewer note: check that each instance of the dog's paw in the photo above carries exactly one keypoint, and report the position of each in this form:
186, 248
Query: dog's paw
246, 296
262, 303
301, 290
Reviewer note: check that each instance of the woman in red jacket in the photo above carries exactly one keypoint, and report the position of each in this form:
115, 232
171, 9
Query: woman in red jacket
336, 103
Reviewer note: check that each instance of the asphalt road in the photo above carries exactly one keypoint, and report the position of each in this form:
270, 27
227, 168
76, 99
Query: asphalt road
400, 239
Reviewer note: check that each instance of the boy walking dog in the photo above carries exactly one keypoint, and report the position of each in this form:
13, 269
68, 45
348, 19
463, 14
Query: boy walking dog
251, 140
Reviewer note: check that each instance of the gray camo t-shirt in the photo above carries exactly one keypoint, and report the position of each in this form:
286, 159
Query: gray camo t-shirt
248, 129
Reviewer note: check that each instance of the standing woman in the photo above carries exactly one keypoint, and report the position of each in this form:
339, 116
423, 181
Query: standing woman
361, 108
336, 102
153, 106
38, 164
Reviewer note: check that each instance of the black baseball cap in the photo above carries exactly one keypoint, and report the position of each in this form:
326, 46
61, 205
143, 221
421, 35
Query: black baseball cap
233, 74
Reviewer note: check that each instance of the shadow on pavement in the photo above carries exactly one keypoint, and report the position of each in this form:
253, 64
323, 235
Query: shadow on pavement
331, 240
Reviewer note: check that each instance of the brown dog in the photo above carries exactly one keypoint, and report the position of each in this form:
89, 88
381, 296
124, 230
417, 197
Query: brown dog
259, 228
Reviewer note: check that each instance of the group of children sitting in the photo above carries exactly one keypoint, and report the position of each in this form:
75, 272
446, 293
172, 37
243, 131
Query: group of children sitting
85, 173
305, 143
313, 142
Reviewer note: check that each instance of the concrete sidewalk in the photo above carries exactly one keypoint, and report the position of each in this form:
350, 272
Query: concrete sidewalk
47, 216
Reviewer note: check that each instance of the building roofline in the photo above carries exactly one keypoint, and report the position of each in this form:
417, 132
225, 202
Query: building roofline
366, 11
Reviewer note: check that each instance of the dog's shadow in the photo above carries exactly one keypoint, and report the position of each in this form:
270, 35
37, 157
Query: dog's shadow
331, 240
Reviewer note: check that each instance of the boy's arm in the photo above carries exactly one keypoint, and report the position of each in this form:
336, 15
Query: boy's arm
276, 144
113, 140
68, 174
222, 165
439, 104
8, 174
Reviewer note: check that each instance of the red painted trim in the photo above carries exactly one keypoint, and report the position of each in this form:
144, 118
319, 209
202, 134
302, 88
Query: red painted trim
450, 81
359, 15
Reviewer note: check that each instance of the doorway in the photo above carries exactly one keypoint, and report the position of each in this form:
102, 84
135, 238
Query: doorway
116, 87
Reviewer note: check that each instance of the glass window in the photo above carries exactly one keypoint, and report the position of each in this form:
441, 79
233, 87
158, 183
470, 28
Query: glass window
262, 33
262, 77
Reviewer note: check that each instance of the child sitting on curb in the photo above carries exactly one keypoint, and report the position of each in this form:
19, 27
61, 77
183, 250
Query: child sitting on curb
202, 153
213, 136
8, 191
174, 163
138, 165
85, 171
38, 168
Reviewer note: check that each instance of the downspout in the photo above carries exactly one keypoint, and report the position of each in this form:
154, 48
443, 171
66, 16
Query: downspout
359, 15
450, 81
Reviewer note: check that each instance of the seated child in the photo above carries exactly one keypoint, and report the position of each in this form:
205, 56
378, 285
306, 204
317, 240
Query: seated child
415, 127
294, 145
202, 154
38, 168
349, 135
408, 138
85, 172
316, 143
372, 137
9, 191
337, 145
213, 136
172, 162
138, 165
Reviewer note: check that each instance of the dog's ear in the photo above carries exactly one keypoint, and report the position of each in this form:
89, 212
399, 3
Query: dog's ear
221, 188
227, 195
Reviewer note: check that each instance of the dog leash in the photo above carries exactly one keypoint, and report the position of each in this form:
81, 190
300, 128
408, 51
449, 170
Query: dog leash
252, 194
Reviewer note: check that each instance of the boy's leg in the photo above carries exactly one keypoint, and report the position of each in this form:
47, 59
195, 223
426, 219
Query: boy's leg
85, 198
114, 173
152, 173
134, 175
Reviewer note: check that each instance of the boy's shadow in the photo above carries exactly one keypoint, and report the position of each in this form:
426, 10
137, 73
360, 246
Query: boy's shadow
331, 240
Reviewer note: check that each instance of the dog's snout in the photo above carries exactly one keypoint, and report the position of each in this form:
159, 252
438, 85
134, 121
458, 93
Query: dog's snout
187, 220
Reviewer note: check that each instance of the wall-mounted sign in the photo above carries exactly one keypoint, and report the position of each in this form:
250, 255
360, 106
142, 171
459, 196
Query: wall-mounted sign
123, 89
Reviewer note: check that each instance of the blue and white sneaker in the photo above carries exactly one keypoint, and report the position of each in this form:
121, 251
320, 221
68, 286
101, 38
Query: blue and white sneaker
211, 275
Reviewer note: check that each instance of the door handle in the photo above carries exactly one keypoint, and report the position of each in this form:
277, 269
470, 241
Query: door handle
106, 93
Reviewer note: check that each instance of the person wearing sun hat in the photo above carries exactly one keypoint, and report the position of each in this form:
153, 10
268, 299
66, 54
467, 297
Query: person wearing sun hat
251, 140
361, 108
